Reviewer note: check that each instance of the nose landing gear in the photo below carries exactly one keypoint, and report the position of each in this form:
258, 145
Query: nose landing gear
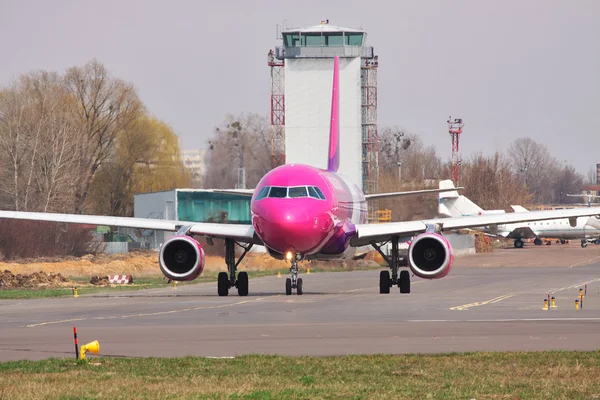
294, 282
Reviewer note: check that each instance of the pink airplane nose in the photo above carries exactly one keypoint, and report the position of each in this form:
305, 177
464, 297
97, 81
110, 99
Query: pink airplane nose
289, 228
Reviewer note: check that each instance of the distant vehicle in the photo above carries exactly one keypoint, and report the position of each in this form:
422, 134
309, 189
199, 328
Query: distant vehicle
585, 228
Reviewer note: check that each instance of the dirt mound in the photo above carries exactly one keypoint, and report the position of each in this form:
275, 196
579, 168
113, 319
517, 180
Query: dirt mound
8, 280
145, 264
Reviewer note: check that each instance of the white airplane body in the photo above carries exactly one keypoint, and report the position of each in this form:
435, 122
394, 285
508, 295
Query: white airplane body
454, 205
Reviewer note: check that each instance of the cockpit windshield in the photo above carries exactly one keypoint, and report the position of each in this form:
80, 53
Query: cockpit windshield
278, 192
299, 191
290, 192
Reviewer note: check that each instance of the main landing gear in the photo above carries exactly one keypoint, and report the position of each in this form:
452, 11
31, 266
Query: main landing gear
583, 243
519, 243
395, 261
225, 282
294, 282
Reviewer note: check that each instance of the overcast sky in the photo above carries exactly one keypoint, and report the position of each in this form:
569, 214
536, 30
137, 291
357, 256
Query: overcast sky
509, 68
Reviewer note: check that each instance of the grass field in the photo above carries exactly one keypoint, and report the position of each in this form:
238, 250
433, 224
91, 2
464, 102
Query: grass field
139, 283
520, 375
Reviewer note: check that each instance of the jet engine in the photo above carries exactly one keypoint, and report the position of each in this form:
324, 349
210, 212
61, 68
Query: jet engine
430, 256
181, 258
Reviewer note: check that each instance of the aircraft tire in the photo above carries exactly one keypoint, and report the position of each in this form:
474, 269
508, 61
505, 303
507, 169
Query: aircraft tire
288, 286
537, 241
299, 287
519, 244
384, 282
242, 283
404, 282
584, 244
223, 284
597, 241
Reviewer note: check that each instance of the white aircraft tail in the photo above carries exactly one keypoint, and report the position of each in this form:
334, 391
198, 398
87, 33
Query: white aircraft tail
519, 209
454, 205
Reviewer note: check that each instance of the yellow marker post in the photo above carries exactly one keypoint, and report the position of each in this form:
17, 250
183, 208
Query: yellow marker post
75, 295
545, 308
553, 303
174, 284
308, 270
580, 293
577, 304
279, 274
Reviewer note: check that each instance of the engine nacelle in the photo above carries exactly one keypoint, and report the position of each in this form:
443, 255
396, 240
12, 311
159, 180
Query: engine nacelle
181, 258
430, 256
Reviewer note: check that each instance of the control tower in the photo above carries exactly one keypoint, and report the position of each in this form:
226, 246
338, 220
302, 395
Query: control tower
301, 82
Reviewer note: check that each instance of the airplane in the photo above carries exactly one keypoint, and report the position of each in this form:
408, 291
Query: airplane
454, 205
300, 212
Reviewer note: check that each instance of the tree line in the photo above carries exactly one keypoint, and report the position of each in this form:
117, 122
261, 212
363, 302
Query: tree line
82, 142
525, 174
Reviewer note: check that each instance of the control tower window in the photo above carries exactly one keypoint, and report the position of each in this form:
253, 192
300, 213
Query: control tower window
291, 39
334, 39
313, 40
298, 192
354, 39
278, 192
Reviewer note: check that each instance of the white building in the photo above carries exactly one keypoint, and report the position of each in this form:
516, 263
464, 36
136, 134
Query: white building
307, 56
194, 160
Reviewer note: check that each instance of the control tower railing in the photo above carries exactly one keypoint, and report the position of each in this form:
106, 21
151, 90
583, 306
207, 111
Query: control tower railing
283, 52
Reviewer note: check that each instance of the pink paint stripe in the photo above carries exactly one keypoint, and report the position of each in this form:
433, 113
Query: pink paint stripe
334, 129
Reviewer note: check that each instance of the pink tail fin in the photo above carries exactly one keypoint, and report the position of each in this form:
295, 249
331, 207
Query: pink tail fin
334, 129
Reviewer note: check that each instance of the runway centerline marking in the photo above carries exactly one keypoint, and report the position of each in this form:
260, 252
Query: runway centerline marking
482, 303
62, 321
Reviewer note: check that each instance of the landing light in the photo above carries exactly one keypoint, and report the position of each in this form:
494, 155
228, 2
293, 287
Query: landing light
289, 255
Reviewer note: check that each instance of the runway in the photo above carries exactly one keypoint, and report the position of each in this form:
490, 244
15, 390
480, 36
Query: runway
340, 313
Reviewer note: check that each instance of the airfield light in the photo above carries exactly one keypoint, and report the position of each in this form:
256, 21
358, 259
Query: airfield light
289, 255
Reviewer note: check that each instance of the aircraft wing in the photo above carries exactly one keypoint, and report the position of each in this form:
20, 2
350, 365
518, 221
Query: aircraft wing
410, 193
367, 233
240, 232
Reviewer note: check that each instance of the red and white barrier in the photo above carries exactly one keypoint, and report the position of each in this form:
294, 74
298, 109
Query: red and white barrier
120, 279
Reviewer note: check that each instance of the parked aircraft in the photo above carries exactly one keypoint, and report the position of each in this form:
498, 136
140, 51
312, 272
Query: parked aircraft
300, 212
454, 205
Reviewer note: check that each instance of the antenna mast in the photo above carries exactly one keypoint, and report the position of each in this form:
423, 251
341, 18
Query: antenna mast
455, 129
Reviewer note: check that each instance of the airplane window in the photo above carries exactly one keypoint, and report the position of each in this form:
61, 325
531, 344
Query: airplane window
321, 195
312, 192
298, 192
278, 192
263, 193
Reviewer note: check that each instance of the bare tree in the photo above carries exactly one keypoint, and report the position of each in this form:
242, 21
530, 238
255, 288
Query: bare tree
491, 183
105, 106
567, 181
591, 178
537, 168
406, 154
242, 141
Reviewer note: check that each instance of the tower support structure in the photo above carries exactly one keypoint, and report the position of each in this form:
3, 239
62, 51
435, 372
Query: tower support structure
370, 136
455, 129
277, 109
